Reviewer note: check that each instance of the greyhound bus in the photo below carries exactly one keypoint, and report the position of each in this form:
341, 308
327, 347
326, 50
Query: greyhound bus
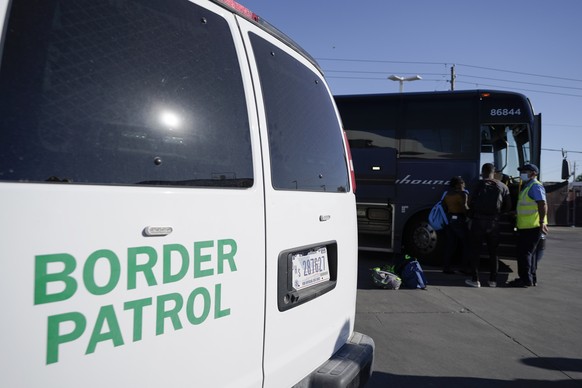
406, 147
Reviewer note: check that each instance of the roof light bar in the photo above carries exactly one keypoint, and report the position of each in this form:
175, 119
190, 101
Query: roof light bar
241, 9
253, 17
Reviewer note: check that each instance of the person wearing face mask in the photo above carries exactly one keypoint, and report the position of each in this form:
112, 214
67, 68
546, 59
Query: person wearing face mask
532, 221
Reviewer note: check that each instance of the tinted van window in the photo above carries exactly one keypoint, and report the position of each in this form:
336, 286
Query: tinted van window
306, 146
127, 92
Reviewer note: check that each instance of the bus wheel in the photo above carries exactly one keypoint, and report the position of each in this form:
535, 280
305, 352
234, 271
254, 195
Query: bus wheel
422, 242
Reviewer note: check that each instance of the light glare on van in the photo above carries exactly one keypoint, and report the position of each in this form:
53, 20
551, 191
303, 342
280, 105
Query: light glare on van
170, 119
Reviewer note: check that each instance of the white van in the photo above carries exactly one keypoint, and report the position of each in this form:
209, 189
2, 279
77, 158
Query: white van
176, 202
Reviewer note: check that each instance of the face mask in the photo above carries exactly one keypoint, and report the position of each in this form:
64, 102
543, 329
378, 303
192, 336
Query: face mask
524, 176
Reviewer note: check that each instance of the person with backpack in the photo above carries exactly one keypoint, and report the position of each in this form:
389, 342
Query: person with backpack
532, 223
488, 200
455, 204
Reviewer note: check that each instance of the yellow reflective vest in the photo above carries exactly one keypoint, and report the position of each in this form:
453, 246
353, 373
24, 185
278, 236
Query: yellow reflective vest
528, 216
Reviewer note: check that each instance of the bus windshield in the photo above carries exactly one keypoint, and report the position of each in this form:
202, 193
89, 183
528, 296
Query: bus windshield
506, 146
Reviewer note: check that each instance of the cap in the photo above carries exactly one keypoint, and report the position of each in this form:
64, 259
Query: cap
529, 167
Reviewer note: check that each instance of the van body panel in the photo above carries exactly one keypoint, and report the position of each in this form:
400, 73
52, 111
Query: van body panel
297, 219
154, 253
56, 222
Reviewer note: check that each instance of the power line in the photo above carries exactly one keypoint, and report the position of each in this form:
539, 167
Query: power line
377, 78
379, 61
521, 73
446, 75
561, 150
461, 76
448, 64
520, 82
377, 72
563, 125
525, 90
478, 85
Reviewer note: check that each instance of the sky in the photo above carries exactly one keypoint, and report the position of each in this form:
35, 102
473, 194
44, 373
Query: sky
533, 47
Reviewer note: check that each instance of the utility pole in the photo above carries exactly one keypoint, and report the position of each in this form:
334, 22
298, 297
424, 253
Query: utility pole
453, 76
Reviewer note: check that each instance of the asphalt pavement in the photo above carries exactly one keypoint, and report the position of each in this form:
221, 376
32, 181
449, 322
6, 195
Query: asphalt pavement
454, 335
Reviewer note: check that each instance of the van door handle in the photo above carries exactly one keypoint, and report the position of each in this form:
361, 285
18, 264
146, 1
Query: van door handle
323, 218
153, 231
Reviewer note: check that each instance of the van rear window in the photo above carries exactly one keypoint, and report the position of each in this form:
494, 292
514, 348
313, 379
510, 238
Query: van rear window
305, 139
124, 92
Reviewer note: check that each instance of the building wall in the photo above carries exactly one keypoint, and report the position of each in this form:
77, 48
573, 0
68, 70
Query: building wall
564, 203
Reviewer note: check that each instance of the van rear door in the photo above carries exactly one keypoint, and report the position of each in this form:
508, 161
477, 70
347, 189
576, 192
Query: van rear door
310, 214
132, 230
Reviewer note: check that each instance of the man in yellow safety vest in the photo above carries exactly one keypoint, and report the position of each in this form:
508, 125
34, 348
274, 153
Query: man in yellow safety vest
532, 221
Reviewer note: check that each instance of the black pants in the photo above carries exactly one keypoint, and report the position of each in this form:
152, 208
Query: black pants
536, 258
457, 236
484, 230
527, 242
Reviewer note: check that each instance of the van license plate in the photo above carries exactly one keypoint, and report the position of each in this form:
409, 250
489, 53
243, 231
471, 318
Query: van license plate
310, 268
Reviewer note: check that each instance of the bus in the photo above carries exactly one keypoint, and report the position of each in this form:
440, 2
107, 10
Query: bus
406, 147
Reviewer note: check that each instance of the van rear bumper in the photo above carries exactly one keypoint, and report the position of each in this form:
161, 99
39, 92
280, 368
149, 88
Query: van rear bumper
351, 366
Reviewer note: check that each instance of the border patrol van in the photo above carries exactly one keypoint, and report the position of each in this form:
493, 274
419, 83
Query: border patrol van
176, 202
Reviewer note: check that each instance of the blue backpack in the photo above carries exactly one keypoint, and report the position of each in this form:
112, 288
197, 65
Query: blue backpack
437, 218
412, 275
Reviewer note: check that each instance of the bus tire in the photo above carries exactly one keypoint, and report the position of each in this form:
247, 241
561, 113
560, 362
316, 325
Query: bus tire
422, 242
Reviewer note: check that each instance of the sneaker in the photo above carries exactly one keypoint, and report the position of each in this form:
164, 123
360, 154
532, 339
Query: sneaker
517, 283
492, 284
472, 283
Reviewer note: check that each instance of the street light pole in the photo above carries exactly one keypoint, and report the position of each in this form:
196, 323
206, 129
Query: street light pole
402, 79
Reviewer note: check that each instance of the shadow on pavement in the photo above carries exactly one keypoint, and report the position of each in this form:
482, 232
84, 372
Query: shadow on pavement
396, 381
555, 363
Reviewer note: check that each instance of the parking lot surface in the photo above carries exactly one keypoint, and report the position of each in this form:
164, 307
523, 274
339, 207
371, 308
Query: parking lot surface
454, 335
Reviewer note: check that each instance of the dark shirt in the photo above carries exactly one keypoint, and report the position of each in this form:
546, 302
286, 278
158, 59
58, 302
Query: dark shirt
505, 198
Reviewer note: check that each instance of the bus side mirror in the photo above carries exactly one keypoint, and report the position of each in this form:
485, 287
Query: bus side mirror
565, 169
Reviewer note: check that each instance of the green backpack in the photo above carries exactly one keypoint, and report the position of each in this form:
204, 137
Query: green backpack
385, 279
